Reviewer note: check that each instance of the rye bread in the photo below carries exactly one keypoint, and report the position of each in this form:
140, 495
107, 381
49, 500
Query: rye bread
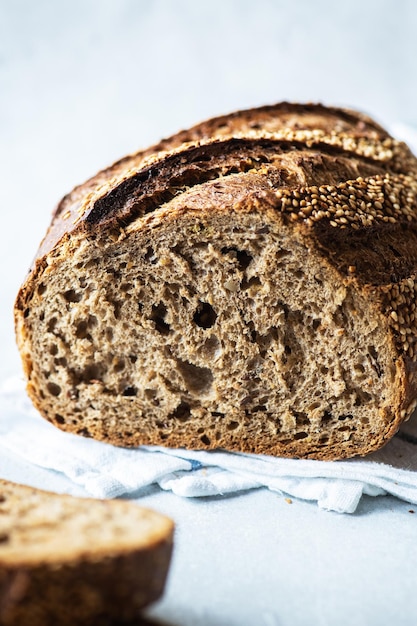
248, 284
67, 560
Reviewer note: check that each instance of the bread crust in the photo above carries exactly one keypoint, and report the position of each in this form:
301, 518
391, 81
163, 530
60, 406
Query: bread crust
89, 584
347, 189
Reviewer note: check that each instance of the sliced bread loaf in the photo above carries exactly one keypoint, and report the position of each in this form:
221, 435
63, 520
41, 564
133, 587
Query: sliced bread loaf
247, 284
66, 560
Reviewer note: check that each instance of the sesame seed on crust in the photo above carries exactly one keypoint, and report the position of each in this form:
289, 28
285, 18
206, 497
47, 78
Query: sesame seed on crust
391, 198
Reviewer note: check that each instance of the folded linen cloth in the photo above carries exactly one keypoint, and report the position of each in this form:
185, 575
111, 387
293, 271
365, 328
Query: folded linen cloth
107, 471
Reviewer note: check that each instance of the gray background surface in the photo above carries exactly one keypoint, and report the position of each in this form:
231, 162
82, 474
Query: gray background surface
84, 82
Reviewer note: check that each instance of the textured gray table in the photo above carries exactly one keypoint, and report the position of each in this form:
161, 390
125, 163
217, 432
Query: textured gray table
82, 83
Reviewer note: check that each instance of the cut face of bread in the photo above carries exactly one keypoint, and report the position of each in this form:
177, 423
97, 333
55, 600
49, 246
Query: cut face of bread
250, 293
66, 560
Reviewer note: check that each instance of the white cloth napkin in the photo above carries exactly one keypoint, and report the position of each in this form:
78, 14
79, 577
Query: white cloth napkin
106, 471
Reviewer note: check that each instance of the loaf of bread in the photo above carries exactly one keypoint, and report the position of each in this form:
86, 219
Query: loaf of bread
249, 284
68, 561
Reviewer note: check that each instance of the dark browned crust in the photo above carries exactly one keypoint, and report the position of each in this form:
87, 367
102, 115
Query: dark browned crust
358, 123
84, 592
353, 123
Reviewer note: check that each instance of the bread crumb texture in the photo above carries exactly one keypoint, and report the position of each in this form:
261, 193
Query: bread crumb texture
66, 560
248, 284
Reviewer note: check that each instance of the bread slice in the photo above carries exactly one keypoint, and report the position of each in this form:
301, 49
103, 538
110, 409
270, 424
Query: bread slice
66, 560
248, 284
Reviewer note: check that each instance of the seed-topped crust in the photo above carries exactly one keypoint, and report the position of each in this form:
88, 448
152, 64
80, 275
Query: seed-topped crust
312, 126
194, 227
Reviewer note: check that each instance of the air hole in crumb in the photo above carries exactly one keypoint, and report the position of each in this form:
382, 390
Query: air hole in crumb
53, 349
118, 365
51, 324
53, 389
92, 373
90, 264
232, 425
205, 316
198, 380
109, 334
212, 347
301, 419
263, 230
4, 538
342, 418
59, 419
363, 397
125, 287
326, 417
151, 395
182, 412
158, 317
84, 432
117, 307
129, 391
26, 313
133, 358
280, 254
81, 330
242, 257
252, 282
300, 436
72, 296
299, 274
323, 369
204, 439
374, 360
316, 323
41, 289
150, 256
73, 394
